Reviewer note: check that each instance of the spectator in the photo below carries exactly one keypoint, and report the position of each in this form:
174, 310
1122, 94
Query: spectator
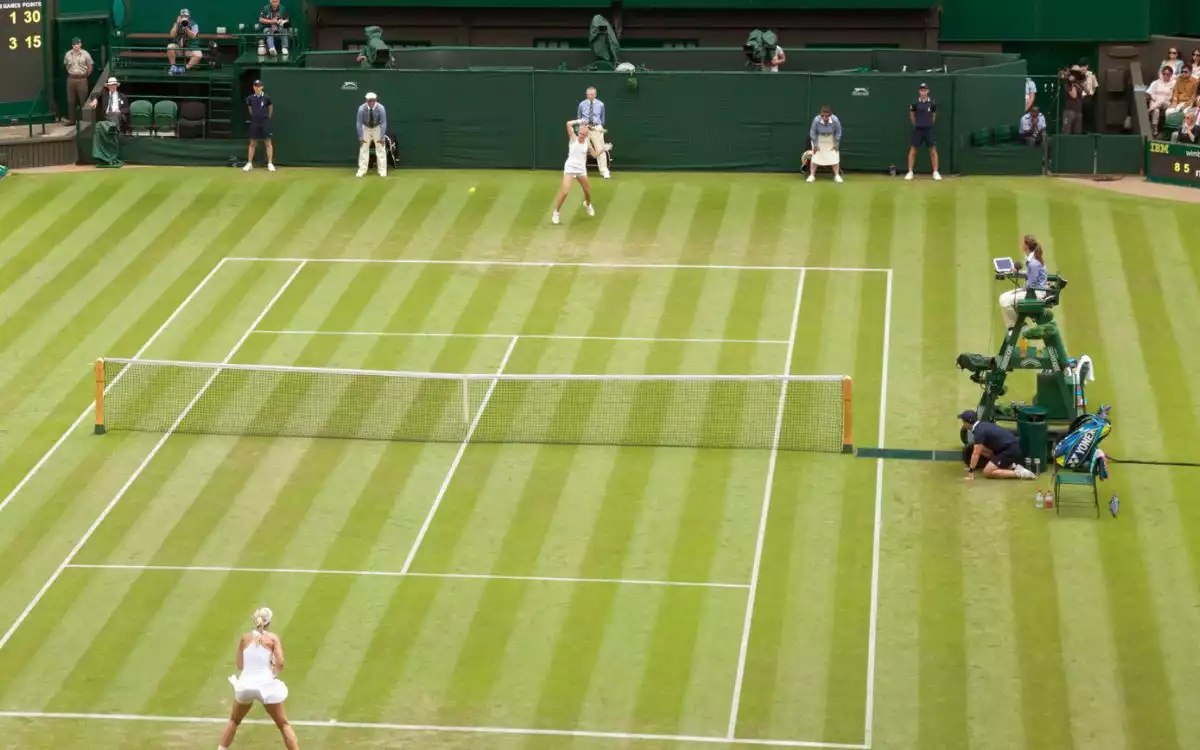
1033, 127
779, 58
1196, 63
371, 125
1172, 61
112, 105
591, 113
184, 36
1159, 93
1030, 93
274, 20
1189, 131
923, 115
79, 66
1072, 106
261, 109
1184, 94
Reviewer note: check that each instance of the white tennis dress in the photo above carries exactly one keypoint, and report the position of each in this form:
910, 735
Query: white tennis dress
576, 158
257, 681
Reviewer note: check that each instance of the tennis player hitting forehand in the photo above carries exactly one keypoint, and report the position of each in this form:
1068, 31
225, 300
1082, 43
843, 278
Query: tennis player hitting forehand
575, 168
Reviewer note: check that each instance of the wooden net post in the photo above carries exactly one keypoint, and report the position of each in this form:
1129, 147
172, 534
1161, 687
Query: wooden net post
847, 415
99, 368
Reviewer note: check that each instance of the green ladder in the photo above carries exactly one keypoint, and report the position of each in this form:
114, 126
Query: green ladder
220, 108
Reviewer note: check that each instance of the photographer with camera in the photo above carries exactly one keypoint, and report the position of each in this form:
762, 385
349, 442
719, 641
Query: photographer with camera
1072, 82
184, 36
274, 21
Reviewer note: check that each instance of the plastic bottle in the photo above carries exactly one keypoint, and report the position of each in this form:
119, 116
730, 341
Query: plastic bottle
1049, 500
1023, 347
1037, 466
1040, 502
1114, 506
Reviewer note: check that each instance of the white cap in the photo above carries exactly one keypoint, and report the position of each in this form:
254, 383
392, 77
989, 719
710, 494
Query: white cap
371, 95
113, 82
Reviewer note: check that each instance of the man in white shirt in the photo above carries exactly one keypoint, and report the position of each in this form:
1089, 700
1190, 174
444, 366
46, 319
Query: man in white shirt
371, 124
779, 58
1159, 93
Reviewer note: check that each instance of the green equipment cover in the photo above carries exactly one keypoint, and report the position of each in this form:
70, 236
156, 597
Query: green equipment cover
760, 47
376, 52
603, 41
106, 144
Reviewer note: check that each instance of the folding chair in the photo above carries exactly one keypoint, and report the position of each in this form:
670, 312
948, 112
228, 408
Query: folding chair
1067, 477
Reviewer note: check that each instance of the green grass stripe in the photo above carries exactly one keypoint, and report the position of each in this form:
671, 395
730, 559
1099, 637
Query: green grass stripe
89, 256
1036, 623
23, 202
84, 322
943, 657
58, 220
644, 226
766, 227
1138, 670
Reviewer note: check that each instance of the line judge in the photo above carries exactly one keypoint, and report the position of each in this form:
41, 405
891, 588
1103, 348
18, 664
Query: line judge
591, 114
371, 124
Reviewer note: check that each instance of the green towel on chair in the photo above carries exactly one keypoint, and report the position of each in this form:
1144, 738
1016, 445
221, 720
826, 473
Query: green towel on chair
106, 145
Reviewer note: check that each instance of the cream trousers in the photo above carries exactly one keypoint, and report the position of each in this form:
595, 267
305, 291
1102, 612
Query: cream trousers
596, 138
1008, 304
372, 135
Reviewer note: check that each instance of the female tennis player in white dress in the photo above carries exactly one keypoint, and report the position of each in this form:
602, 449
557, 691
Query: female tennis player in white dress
259, 662
576, 167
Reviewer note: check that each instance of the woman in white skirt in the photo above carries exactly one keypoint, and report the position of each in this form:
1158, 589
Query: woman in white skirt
576, 167
826, 136
259, 662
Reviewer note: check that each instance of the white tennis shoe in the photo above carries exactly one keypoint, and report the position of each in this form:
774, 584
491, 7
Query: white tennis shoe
248, 167
908, 176
270, 167
554, 217
590, 208
937, 175
838, 179
811, 178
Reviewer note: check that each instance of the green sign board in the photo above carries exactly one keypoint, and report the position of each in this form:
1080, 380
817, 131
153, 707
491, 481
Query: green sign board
1175, 163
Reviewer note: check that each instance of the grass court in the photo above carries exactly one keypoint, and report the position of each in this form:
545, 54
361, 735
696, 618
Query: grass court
474, 595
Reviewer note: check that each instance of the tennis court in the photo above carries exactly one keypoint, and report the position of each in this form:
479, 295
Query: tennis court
554, 589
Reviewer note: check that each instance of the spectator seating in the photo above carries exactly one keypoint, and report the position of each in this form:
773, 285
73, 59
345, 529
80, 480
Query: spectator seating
166, 116
141, 116
191, 120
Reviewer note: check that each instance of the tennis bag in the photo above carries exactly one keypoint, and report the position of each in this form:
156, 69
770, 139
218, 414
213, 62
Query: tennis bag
1076, 451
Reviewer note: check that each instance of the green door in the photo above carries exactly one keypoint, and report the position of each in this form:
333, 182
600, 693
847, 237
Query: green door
93, 31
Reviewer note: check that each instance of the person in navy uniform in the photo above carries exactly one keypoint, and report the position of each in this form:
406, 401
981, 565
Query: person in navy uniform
923, 115
997, 449
261, 109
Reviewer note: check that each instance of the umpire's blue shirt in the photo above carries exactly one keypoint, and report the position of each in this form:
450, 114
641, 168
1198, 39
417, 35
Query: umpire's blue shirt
260, 107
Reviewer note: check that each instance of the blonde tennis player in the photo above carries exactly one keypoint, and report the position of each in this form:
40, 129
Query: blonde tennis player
575, 169
259, 662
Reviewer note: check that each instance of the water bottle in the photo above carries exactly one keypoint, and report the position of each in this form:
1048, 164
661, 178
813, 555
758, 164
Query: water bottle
1040, 503
1028, 464
1037, 466
1049, 500
1114, 506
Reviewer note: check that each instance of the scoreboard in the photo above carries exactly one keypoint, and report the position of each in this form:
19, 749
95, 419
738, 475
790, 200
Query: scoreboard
1176, 163
22, 57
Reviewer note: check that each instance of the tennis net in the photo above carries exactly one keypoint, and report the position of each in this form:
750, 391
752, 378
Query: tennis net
797, 413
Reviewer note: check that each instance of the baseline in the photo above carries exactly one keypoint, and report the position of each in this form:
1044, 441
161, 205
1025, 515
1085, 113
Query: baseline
509, 731
29, 475
145, 462
559, 264
401, 574
537, 336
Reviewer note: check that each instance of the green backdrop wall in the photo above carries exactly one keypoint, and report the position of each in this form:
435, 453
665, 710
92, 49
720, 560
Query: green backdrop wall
707, 121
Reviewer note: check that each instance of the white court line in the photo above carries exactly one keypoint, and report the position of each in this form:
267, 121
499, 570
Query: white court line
509, 731
539, 336
437, 501
873, 626
762, 522
559, 264
79, 420
399, 574
145, 462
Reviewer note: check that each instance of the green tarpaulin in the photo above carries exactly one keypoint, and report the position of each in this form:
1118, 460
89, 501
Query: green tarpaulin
106, 145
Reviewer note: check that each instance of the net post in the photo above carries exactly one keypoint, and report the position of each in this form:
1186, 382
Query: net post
847, 414
466, 399
99, 372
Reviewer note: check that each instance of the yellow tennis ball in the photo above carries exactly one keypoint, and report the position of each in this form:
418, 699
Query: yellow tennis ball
471, 189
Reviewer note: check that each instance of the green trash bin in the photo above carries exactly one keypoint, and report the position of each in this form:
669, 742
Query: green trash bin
1034, 435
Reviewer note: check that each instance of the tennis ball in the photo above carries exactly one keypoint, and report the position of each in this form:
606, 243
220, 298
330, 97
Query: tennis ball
471, 189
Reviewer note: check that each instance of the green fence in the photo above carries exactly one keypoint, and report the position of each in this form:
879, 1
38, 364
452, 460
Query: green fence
697, 121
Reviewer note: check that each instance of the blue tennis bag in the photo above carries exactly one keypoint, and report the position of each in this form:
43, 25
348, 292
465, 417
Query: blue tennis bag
1077, 450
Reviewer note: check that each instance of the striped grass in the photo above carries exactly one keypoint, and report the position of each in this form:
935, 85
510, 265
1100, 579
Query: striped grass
997, 627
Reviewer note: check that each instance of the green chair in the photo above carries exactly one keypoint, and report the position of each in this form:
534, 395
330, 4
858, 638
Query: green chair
1004, 133
981, 137
1067, 478
141, 116
166, 115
